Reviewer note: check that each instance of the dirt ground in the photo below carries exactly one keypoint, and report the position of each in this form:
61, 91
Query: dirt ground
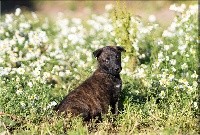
82, 9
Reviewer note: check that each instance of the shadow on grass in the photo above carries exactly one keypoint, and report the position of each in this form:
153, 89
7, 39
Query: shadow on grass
133, 97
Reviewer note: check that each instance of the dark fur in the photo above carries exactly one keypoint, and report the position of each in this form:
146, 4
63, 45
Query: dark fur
94, 96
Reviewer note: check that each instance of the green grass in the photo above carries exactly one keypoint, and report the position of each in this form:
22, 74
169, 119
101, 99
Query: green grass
42, 60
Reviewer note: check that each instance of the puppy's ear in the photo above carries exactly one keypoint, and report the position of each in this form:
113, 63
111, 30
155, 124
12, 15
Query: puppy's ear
97, 52
121, 49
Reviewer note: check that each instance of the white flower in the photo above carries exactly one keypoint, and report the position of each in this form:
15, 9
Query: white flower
194, 75
51, 104
183, 81
20, 71
23, 105
34, 15
166, 33
193, 9
77, 77
108, 27
166, 47
160, 55
126, 59
17, 11
9, 18
173, 62
195, 105
37, 37
24, 25
76, 21
163, 82
174, 53
108, 7
190, 89
140, 73
184, 66
73, 29
61, 74
192, 51
160, 42
2, 30
36, 72
162, 94
194, 84
173, 26
177, 9
68, 72
30, 84
19, 91
152, 18
171, 77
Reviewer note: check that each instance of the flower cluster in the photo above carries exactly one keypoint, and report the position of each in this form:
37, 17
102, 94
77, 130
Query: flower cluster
37, 55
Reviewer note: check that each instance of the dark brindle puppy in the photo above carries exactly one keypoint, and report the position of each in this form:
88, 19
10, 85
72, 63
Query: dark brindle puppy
94, 96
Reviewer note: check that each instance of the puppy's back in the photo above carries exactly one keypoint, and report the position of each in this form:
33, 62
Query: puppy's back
88, 100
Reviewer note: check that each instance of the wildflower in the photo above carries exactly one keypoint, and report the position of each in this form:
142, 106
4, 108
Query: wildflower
182, 48
174, 53
164, 82
183, 81
192, 51
166, 33
166, 47
37, 37
108, 7
126, 59
162, 94
77, 77
61, 74
20, 71
194, 75
179, 9
190, 89
140, 73
146, 83
34, 15
36, 72
19, 91
160, 42
171, 77
76, 21
173, 62
51, 104
9, 18
195, 105
30, 84
173, 26
17, 11
152, 18
24, 25
184, 66
194, 84
167, 58
23, 105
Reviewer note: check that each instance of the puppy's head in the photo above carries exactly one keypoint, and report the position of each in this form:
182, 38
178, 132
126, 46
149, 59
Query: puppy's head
109, 59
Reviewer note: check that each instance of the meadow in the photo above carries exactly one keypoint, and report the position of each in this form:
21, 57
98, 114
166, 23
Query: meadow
41, 60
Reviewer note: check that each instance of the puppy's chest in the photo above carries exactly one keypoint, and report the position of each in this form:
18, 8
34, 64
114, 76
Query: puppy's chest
117, 83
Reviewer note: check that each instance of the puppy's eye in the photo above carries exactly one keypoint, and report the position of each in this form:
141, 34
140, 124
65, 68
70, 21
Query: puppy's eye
107, 60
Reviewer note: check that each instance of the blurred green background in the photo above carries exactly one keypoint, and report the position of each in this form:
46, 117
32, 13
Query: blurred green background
82, 9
